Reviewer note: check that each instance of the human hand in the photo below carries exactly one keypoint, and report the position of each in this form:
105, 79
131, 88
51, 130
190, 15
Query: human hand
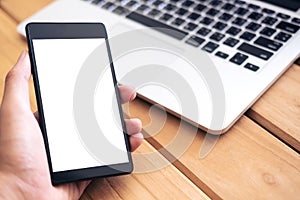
24, 172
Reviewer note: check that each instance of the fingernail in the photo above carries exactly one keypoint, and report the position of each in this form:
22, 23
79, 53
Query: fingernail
27, 61
138, 135
21, 57
132, 97
138, 121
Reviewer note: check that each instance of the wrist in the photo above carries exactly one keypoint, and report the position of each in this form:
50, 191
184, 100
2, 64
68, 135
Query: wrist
12, 187
9, 188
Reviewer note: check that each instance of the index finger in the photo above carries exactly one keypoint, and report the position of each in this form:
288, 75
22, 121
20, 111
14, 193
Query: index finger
16, 91
127, 93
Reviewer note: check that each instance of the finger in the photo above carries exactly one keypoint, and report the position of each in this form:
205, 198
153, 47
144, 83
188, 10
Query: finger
16, 90
133, 126
81, 186
136, 140
127, 93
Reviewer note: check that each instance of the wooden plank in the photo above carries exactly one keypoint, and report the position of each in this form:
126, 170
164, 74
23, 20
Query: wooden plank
268, 111
20, 10
11, 42
151, 185
278, 110
167, 183
247, 162
20, 14
11, 46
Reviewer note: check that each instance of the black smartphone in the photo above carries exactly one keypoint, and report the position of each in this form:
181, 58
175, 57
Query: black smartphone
78, 101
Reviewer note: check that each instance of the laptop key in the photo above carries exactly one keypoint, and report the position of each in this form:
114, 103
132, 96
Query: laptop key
251, 67
178, 21
241, 11
296, 20
247, 36
267, 43
254, 7
96, 1
219, 26
231, 42
233, 31
193, 16
268, 11
130, 4
269, 20
239, 21
253, 26
217, 36
195, 41
165, 17
200, 7
154, 12
210, 47
255, 16
144, 1
222, 54
212, 12
292, 28
190, 26
225, 17
142, 8
215, 2
181, 11
267, 31
240, 2
238, 58
206, 21
120, 10
157, 3
283, 36
203, 31
283, 16
187, 3
255, 51
170, 7
228, 6
108, 5
163, 28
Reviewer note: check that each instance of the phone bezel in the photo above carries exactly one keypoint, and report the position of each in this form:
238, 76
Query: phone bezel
74, 31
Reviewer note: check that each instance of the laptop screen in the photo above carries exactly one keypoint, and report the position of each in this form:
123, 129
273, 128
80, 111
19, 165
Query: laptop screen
293, 5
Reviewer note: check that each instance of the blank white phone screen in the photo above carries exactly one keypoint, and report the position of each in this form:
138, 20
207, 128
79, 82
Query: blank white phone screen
58, 63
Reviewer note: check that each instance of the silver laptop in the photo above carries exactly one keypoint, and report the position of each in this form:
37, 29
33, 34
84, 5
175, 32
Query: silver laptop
248, 43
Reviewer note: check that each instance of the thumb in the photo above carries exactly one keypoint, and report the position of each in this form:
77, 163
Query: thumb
16, 92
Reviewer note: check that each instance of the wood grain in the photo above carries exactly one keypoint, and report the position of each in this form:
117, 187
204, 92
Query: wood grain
247, 162
20, 10
11, 46
273, 111
278, 110
167, 183
150, 185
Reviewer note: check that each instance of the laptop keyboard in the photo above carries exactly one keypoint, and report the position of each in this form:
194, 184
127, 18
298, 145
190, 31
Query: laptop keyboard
246, 28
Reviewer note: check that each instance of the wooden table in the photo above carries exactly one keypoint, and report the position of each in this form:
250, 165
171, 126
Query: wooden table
257, 159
